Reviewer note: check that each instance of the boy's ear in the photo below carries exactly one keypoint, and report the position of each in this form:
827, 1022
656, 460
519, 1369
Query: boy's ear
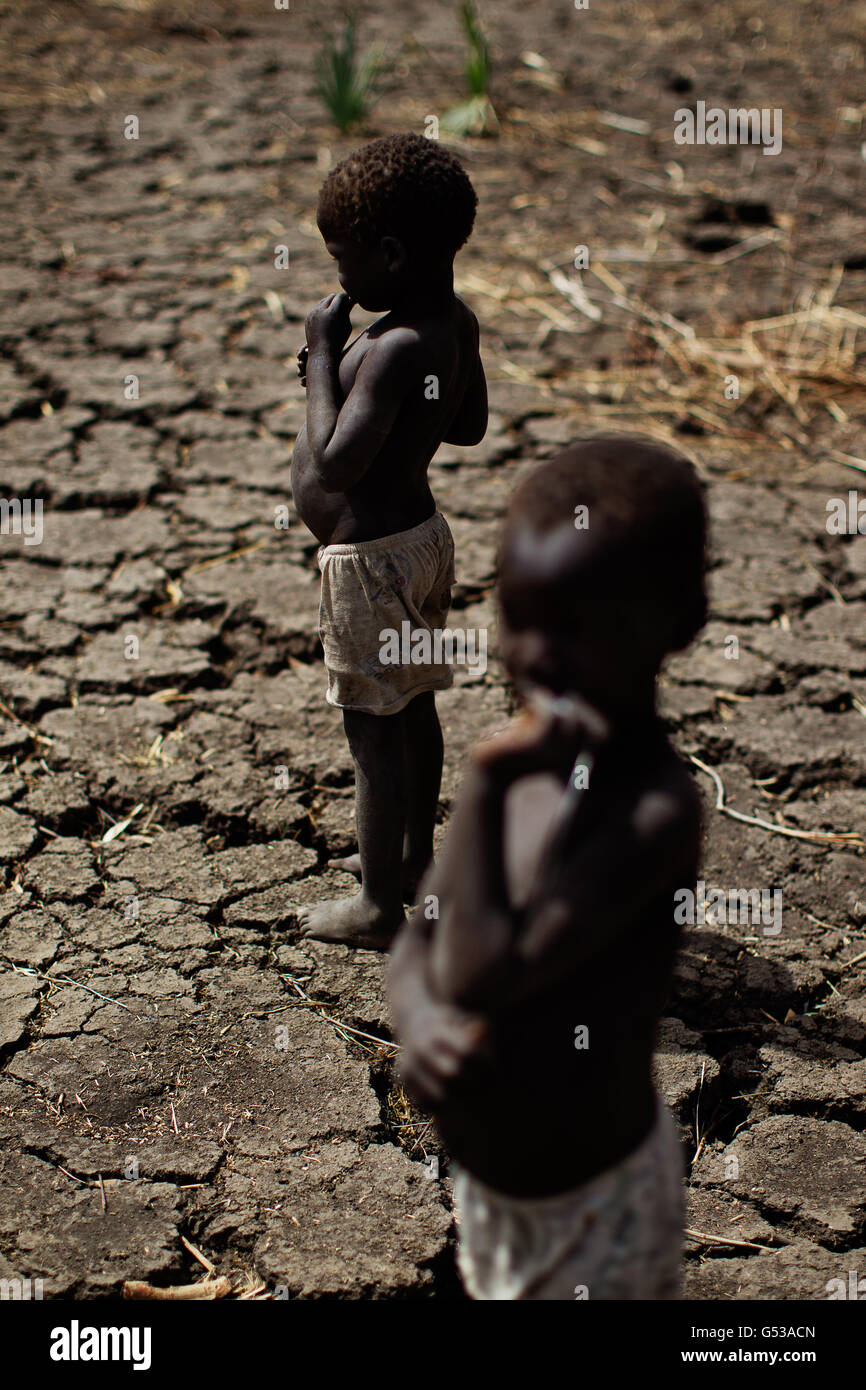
394, 252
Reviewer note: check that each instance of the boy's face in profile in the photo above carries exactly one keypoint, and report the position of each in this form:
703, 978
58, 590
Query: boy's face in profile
565, 629
365, 273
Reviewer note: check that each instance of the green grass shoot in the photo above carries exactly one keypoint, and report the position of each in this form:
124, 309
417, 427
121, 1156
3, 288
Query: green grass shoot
345, 81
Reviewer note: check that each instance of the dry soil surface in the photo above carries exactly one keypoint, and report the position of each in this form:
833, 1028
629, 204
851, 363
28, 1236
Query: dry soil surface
175, 1061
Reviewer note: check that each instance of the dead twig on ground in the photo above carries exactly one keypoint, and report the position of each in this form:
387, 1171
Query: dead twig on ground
344, 1028
821, 837
208, 1290
224, 559
31, 728
703, 1237
197, 1255
65, 980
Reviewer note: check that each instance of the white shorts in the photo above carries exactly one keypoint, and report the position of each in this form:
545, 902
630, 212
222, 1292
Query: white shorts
370, 587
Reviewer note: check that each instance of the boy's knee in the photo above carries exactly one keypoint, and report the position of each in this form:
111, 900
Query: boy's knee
372, 732
421, 706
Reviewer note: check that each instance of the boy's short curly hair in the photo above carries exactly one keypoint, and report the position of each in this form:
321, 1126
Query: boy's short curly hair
404, 186
648, 504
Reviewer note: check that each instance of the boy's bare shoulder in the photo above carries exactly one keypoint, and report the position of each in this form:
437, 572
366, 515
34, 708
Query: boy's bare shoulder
645, 831
401, 342
666, 809
391, 359
649, 816
472, 316
400, 349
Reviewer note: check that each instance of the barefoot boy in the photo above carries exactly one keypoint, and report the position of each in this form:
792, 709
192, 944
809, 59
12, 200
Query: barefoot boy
527, 1009
393, 216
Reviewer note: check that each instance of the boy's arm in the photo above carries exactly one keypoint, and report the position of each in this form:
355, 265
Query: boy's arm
408, 990
477, 924
469, 425
441, 1045
436, 962
344, 437
472, 954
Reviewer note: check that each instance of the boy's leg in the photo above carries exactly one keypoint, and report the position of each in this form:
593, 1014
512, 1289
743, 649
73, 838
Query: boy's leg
371, 917
424, 756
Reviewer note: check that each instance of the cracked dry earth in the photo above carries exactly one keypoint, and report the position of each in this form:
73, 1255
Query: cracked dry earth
146, 1091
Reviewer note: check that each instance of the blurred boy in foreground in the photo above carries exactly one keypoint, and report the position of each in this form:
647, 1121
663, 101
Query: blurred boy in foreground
527, 999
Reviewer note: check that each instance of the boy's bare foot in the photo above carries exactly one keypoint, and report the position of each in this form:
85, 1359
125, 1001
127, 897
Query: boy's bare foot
351, 864
353, 921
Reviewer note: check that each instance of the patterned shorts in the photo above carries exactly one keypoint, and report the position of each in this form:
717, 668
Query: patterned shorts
618, 1237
